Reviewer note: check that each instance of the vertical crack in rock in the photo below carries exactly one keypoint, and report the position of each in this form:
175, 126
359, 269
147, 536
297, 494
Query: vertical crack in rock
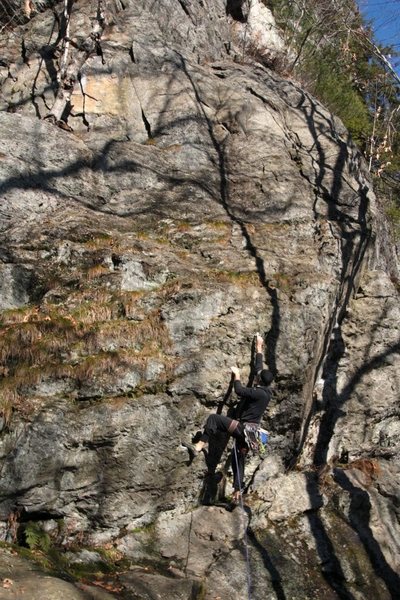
146, 125
131, 54
186, 10
273, 333
354, 245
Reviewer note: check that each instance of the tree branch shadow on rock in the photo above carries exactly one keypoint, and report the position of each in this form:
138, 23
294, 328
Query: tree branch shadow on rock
275, 576
224, 199
359, 518
330, 565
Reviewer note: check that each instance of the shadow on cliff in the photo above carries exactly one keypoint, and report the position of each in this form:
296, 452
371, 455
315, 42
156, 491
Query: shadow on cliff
355, 235
355, 240
234, 8
274, 575
354, 231
250, 545
103, 162
330, 565
359, 518
335, 401
272, 335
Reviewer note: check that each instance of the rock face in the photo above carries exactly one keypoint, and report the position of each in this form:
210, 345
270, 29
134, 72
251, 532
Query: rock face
199, 197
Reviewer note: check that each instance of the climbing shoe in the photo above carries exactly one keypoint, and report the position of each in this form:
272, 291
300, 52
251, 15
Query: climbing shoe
193, 452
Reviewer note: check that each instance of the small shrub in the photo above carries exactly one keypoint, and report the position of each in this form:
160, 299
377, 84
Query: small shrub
100, 240
9, 398
19, 315
94, 312
98, 364
97, 271
241, 278
36, 538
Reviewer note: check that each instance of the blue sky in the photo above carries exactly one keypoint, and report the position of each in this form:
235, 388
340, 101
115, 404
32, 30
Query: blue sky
385, 18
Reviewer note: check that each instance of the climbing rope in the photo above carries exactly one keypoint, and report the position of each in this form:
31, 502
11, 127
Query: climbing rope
245, 539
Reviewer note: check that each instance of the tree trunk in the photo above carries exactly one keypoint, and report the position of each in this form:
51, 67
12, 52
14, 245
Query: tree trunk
72, 59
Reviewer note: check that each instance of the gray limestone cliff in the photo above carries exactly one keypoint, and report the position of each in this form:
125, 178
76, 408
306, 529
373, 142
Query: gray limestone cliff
189, 197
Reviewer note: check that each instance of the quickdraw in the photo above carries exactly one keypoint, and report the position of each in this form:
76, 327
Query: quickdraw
256, 438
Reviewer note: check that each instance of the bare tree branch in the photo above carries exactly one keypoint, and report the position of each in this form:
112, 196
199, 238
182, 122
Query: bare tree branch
74, 56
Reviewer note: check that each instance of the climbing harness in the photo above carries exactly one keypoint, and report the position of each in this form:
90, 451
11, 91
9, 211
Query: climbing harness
246, 546
256, 438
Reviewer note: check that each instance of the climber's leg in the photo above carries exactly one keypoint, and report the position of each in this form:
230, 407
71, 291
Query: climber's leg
214, 424
221, 423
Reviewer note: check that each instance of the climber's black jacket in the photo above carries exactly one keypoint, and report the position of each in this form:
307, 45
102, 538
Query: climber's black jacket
254, 400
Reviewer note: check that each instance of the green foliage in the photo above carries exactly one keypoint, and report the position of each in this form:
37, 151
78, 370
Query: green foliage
393, 213
36, 538
331, 50
336, 91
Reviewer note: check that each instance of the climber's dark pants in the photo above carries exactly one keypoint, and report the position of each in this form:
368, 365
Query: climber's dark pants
216, 423
234, 428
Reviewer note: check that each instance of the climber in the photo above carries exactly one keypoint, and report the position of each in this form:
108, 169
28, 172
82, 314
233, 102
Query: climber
253, 402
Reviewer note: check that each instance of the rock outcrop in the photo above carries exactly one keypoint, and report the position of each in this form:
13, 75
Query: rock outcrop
190, 197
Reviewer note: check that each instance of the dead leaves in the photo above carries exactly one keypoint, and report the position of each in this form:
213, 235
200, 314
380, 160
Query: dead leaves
107, 585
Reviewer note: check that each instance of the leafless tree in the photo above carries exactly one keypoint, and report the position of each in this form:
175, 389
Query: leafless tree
73, 55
